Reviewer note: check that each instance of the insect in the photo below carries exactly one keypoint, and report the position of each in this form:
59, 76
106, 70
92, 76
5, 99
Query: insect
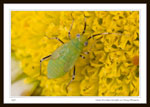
63, 59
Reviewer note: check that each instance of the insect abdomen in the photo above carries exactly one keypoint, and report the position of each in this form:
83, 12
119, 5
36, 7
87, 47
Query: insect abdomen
63, 59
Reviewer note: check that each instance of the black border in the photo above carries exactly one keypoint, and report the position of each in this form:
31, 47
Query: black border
75, 1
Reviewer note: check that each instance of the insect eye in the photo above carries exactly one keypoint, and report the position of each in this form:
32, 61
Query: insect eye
86, 43
78, 35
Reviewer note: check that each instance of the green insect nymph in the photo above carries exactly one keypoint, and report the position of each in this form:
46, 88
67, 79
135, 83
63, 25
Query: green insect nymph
63, 59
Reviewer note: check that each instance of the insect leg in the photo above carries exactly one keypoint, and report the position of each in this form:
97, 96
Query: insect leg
86, 52
70, 27
56, 39
84, 25
73, 76
82, 56
42, 61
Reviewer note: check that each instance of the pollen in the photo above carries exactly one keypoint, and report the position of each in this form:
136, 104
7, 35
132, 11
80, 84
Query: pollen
135, 60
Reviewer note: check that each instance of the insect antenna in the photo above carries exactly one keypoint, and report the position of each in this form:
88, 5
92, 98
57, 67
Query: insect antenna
106, 33
69, 35
84, 25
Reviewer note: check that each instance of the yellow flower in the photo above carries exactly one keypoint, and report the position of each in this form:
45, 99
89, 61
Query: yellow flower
110, 68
